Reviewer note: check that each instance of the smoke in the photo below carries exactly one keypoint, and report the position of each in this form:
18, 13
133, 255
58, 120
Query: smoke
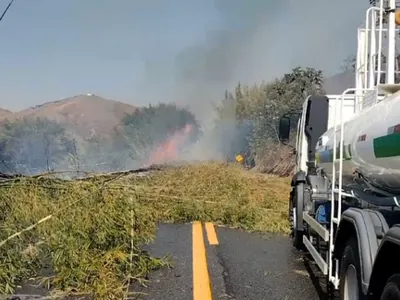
259, 40
256, 41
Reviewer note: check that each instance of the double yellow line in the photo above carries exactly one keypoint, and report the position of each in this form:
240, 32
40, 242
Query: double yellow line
201, 277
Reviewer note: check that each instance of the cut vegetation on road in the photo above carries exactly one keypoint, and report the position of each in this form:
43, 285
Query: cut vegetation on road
91, 231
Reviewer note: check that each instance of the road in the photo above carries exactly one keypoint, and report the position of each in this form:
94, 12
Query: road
212, 262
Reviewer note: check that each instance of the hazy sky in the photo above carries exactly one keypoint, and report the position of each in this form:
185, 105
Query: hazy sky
185, 50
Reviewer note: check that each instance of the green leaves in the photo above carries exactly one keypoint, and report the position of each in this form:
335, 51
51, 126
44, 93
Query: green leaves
33, 145
259, 107
150, 126
86, 248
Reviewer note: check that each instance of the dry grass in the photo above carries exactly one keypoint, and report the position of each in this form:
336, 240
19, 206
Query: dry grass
277, 159
222, 193
92, 244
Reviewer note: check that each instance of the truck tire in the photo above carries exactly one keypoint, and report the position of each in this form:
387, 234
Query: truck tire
294, 205
350, 274
291, 216
392, 288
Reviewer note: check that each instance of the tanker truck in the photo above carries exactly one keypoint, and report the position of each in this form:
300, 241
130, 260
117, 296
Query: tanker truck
344, 204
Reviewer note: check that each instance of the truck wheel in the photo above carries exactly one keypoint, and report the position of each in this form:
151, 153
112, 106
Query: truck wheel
350, 275
392, 288
295, 204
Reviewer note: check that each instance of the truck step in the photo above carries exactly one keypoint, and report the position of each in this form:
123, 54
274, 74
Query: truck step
314, 224
323, 266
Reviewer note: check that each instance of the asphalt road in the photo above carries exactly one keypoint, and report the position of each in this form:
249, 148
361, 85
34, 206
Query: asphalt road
220, 263
237, 265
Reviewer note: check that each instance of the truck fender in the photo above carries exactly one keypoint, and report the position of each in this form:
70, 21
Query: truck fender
299, 193
386, 262
298, 178
297, 197
360, 224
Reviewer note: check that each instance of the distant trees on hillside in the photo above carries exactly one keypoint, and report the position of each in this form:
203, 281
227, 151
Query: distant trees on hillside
147, 128
139, 134
251, 113
33, 145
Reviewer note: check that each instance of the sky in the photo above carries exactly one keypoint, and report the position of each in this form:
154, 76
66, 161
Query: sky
150, 51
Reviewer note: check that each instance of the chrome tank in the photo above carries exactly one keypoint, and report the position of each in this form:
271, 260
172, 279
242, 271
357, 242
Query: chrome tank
371, 146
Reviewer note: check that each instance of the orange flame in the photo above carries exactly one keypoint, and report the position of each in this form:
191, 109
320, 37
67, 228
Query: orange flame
169, 150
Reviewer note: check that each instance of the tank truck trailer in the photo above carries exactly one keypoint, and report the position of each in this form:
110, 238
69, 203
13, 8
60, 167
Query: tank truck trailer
344, 206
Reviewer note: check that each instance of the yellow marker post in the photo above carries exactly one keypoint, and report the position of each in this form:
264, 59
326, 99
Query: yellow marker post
201, 279
239, 158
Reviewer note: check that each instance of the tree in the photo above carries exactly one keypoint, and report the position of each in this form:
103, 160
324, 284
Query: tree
33, 145
147, 128
257, 109
349, 64
108, 154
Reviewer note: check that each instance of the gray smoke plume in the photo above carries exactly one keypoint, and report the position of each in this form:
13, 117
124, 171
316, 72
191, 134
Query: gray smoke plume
260, 40
256, 41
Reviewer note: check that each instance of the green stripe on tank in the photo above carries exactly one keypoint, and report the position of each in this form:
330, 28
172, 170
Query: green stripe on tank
387, 146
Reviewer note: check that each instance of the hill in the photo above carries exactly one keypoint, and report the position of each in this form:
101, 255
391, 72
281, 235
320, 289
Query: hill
88, 115
5, 113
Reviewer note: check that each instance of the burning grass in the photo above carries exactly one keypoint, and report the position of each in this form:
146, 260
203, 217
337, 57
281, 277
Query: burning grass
92, 242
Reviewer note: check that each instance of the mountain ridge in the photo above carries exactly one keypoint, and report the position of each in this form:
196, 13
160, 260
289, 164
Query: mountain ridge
92, 115
86, 115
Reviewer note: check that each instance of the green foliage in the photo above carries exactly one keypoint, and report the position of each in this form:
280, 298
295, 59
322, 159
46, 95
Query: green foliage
150, 126
349, 64
92, 244
259, 107
33, 145
109, 154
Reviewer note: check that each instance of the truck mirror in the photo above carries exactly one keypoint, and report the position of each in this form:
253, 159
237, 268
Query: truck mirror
284, 128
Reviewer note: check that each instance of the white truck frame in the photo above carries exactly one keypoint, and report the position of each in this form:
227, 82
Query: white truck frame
356, 249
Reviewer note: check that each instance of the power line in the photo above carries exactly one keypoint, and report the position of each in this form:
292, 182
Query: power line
5, 11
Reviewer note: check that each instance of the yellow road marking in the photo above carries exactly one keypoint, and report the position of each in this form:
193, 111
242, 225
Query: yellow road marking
201, 279
211, 234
